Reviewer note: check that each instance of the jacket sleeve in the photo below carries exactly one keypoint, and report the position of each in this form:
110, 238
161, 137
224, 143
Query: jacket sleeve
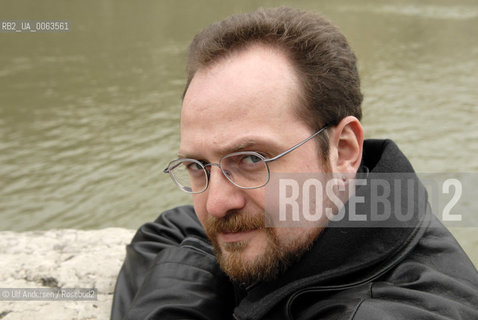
170, 272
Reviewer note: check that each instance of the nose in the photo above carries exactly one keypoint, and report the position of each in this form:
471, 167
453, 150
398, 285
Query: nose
222, 196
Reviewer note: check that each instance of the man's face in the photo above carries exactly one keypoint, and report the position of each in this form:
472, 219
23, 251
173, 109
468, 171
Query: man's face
246, 102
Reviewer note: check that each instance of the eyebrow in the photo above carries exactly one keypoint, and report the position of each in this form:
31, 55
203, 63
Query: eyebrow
236, 147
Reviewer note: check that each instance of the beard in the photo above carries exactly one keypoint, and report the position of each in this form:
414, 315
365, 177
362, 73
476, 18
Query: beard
277, 256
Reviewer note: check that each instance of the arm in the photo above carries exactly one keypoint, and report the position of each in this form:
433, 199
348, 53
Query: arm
170, 272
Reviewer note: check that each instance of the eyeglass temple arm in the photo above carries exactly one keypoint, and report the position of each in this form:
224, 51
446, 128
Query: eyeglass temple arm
167, 169
297, 145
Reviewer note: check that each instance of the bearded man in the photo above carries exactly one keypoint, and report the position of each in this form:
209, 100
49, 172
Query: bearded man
277, 91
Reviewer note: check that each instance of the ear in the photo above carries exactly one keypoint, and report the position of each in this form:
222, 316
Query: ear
346, 144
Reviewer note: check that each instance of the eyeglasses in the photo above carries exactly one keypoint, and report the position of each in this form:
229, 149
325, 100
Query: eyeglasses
245, 169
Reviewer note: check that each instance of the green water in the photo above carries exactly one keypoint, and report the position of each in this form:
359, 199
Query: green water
89, 118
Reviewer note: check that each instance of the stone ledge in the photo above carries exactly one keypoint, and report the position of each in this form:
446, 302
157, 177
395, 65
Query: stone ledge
65, 259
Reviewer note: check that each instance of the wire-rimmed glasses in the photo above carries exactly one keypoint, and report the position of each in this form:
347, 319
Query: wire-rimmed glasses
244, 169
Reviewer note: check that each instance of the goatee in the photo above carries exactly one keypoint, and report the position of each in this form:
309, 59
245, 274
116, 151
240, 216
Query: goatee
277, 256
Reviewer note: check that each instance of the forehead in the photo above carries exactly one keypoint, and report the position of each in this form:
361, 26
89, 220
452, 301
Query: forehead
249, 95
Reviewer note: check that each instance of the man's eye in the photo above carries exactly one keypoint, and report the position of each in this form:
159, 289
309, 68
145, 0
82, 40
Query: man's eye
195, 166
251, 159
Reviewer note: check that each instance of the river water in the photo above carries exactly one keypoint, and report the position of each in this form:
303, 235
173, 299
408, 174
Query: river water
89, 117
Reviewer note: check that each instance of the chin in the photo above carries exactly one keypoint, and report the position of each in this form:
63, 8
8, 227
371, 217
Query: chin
250, 261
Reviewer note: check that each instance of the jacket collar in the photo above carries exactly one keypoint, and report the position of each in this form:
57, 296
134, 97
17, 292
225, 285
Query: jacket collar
344, 253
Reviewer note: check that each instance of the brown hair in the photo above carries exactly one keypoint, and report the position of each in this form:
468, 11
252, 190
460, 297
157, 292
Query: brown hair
323, 59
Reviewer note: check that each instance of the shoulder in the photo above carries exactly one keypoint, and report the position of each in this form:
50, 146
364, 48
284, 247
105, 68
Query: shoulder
436, 279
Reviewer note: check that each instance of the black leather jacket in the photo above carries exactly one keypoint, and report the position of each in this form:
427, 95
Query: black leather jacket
415, 271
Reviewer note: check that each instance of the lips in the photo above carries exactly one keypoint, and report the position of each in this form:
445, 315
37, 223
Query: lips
235, 229
236, 236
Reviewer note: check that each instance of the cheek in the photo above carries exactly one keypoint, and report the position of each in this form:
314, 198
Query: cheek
256, 198
284, 235
288, 237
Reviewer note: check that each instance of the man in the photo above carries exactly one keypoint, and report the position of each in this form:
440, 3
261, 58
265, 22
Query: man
277, 91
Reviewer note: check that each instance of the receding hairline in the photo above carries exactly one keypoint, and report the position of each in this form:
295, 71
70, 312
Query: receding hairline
298, 93
244, 47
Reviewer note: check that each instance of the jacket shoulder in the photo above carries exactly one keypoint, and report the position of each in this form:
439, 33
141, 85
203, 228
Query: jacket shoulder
436, 280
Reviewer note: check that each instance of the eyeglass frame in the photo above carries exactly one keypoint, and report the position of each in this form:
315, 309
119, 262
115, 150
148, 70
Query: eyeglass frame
266, 161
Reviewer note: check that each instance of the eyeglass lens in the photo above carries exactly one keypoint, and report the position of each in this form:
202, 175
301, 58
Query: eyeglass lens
244, 169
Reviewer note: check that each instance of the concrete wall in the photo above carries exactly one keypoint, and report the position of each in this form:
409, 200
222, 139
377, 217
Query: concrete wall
61, 259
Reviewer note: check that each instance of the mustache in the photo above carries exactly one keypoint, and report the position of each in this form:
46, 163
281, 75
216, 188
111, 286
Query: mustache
234, 222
